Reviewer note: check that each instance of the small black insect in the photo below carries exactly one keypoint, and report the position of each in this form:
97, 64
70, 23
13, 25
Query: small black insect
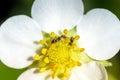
63, 36
59, 38
71, 41
53, 41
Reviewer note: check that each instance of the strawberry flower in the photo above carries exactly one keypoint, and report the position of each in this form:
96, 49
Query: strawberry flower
59, 42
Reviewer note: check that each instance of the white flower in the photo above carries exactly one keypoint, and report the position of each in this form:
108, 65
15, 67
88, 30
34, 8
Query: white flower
98, 30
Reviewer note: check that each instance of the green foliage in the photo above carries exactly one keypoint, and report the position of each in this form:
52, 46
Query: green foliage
7, 73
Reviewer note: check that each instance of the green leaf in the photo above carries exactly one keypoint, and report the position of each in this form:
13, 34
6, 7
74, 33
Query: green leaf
72, 32
7, 73
45, 35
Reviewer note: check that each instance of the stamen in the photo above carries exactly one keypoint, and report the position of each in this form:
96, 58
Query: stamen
67, 40
46, 60
66, 74
44, 51
82, 49
74, 45
42, 70
79, 64
53, 75
69, 65
52, 34
36, 57
65, 31
77, 37
57, 66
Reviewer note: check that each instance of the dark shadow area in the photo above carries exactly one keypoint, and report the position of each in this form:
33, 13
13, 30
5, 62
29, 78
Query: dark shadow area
5, 8
10, 8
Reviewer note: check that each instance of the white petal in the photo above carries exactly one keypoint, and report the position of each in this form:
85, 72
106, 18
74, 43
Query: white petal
90, 71
17, 41
53, 15
30, 75
100, 34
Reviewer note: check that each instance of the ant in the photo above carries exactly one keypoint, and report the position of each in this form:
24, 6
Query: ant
71, 41
58, 39
53, 41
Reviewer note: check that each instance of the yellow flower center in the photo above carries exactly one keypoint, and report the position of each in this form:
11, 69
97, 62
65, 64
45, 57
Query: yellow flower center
59, 54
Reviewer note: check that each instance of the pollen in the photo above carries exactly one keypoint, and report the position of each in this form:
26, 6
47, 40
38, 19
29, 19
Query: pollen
67, 40
73, 45
57, 66
65, 31
69, 65
82, 49
53, 75
79, 64
66, 74
44, 51
77, 37
46, 60
60, 53
36, 57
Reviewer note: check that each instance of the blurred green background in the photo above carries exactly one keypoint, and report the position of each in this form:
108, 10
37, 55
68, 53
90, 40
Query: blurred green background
10, 8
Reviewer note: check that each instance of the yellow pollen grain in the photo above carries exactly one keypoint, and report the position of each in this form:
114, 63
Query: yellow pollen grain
79, 64
42, 70
66, 74
52, 46
73, 45
42, 42
52, 34
82, 49
44, 51
57, 66
77, 37
46, 60
69, 65
53, 75
69, 59
67, 40
36, 57
65, 31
